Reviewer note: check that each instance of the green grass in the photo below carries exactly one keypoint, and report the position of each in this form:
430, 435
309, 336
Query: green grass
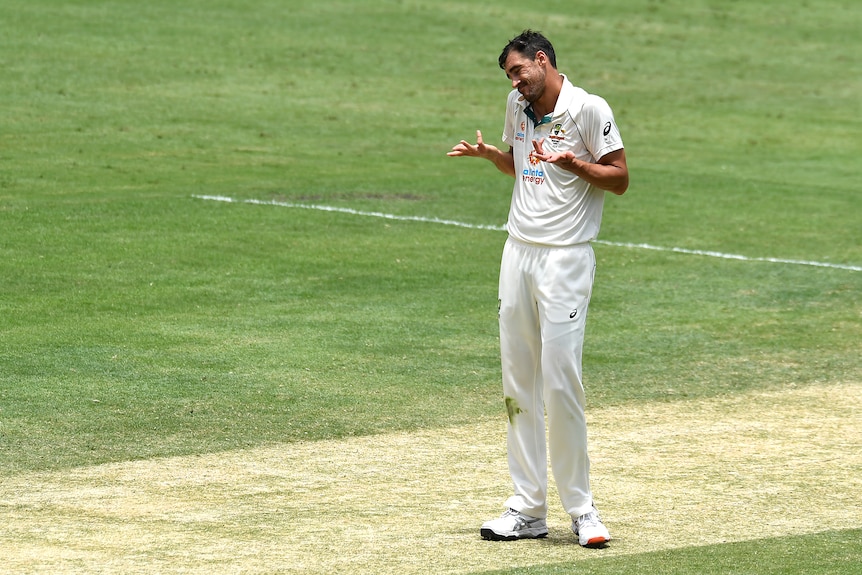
138, 321
838, 553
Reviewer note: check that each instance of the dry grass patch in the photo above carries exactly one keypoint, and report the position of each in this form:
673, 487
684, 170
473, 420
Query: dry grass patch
666, 475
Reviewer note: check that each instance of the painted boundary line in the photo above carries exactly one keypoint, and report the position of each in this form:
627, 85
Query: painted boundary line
706, 253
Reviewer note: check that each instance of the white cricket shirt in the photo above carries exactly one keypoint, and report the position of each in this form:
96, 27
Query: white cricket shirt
552, 206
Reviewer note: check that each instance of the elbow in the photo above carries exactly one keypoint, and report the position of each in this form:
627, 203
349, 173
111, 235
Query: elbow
620, 187
618, 180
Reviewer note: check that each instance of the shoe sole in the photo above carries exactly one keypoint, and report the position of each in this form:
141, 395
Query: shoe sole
490, 535
595, 542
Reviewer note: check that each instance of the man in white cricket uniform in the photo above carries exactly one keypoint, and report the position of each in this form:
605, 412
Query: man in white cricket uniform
564, 152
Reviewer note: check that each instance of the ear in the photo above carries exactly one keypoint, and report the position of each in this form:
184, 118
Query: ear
541, 58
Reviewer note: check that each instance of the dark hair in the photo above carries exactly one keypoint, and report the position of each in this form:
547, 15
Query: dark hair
528, 43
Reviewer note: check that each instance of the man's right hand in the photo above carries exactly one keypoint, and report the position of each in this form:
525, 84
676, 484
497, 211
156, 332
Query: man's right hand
504, 161
465, 148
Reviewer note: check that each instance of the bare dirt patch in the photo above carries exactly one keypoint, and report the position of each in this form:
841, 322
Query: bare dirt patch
665, 475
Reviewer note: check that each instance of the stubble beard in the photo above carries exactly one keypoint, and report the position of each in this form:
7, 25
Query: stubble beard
535, 89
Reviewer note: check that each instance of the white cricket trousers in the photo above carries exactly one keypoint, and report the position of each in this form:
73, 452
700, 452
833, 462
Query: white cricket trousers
544, 293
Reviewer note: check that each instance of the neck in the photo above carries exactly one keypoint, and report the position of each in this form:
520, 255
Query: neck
548, 101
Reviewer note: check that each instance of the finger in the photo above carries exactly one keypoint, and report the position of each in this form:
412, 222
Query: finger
479, 141
461, 149
537, 145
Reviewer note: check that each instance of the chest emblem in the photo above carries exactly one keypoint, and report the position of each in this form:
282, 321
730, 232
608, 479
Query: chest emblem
558, 134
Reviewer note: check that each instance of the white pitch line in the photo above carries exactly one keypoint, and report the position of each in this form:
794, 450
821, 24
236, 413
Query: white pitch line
731, 256
351, 211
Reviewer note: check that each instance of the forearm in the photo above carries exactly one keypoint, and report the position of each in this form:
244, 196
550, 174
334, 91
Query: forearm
606, 177
610, 173
504, 161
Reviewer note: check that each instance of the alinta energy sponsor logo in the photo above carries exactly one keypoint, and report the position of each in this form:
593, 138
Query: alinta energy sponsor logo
533, 176
521, 135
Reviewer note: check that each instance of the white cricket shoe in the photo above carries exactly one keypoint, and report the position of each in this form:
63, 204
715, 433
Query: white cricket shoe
514, 525
590, 530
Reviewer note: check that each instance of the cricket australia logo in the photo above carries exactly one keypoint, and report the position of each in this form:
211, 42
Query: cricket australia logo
558, 134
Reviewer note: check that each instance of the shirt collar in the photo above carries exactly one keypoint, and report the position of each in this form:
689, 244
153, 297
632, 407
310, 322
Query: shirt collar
532, 115
562, 100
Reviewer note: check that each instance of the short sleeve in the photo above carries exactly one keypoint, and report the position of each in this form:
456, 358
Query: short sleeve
599, 130
509, 126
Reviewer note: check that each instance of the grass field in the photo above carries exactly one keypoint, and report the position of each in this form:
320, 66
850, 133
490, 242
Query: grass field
192, 386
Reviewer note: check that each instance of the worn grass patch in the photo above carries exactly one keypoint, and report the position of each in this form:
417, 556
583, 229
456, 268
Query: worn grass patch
667, 475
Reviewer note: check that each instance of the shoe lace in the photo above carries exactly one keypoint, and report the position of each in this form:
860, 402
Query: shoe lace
590, 519
522, 519
522, 516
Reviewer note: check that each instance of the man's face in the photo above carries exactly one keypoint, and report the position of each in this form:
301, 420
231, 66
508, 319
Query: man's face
527, 76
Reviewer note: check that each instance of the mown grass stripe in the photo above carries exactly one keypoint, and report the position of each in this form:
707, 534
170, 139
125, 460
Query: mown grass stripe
666, 476
707, 253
